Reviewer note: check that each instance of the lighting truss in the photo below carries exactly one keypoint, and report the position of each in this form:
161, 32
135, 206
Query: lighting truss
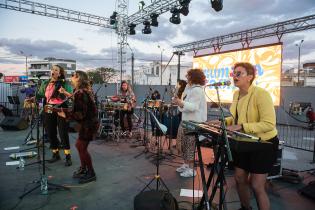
55, 12
157, 7
245, 37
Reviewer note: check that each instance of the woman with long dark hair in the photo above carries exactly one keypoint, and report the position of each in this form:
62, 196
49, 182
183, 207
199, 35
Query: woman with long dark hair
127, 97
50, 91
85, 113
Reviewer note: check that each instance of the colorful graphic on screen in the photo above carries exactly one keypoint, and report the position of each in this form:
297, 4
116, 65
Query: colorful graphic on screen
218, 67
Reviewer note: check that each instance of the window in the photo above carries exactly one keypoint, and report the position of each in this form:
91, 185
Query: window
157, 70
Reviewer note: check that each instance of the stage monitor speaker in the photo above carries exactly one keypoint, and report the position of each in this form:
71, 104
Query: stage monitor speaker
155, 200
14, 123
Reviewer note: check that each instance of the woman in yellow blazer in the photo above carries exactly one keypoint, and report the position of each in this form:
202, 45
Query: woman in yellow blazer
253, 113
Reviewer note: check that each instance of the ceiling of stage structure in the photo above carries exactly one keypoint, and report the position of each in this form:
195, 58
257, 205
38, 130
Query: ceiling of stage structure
107, 26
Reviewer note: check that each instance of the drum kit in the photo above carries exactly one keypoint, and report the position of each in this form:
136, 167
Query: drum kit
109, 110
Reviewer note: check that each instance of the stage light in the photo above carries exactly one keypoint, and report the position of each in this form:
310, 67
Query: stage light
184, 7
147, 29
184, 10
175, 19
132, 30
217, 5
154, 21
141, 5
112, 18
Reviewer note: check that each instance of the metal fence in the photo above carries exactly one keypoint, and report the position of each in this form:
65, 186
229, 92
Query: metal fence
296, 137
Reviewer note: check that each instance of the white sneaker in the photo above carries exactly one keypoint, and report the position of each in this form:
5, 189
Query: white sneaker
182, 168
188, 173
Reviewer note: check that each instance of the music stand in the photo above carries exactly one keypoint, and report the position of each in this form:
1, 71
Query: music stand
157, 176
14, 100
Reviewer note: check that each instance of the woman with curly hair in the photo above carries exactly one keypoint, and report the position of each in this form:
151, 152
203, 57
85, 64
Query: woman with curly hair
85, 113
49, 90
193, 106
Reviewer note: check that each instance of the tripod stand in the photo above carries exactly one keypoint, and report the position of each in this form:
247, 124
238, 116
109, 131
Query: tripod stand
145, 139
157, 177
222, 156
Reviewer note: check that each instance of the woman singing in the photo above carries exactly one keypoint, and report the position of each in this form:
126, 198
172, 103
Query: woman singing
253, 113
193, 106
50, 91
85, 113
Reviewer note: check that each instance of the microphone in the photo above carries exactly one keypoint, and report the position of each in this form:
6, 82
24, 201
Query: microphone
217, 84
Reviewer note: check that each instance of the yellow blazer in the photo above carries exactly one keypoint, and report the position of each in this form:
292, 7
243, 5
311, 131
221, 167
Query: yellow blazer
255, 111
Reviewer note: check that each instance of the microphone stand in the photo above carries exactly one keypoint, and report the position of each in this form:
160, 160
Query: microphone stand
221, 158
43, 182
145, 126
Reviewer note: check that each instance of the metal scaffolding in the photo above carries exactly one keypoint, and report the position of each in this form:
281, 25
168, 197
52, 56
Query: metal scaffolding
122, 35
158, 7
55, 12
247, 36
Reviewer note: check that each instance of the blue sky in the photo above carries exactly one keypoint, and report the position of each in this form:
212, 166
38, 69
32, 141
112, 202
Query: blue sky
42, 36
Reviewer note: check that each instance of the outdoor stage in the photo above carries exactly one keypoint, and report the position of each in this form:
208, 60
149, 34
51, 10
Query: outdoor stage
120, 177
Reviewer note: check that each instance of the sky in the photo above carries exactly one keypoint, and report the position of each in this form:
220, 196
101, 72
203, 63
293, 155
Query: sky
92, 46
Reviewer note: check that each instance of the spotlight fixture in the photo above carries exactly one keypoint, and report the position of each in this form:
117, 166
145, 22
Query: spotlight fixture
112, 18
175, 19
141, 5
147, 29
217, 5
184, 7
132, 30
154, 21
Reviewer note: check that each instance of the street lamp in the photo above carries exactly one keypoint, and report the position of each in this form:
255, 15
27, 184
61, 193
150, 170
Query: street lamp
161, 61
299, 58
26, 56
132, 65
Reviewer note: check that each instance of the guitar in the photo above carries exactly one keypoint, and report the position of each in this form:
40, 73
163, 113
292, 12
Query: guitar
129, 100
50, 109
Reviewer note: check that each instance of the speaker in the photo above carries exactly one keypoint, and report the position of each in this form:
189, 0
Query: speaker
14, 123
155, 200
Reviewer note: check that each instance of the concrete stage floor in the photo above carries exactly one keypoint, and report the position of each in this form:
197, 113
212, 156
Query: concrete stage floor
120, 177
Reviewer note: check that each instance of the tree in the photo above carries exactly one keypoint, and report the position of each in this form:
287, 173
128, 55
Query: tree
101, 75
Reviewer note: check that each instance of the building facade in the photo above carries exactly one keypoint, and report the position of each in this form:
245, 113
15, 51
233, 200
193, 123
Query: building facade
150, 74
42, 68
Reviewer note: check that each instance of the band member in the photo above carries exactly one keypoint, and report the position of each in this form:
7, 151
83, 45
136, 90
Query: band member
85, 113
126, 96
180, 87
50, 91
193, 106
253, 113
155, 95
29, 101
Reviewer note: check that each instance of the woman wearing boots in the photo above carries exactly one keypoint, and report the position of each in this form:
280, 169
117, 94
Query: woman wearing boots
85, 113
50, 91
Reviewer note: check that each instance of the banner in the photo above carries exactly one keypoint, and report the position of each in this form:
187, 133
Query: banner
11, 79
218, 67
